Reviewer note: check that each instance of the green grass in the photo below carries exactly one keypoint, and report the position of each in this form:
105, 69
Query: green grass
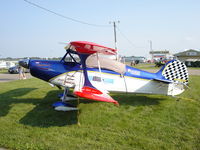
3, 70
149, 122
144, 66
195, 68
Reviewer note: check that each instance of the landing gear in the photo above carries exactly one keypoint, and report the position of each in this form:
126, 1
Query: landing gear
65, 97
63, 105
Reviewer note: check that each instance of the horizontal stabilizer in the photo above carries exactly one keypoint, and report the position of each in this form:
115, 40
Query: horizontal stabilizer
162, 80
94, 94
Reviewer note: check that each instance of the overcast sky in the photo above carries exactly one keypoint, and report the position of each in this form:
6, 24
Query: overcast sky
26, 30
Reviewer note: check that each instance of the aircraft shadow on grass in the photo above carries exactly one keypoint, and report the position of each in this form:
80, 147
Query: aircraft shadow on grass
43, 115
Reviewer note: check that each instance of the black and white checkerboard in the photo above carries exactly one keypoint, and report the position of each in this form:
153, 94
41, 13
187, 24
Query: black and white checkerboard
176, 71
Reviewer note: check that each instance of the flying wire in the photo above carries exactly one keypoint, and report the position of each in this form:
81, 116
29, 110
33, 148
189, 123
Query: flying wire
79, 21
125, 37
63, 16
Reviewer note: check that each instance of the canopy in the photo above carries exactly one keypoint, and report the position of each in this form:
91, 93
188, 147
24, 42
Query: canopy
106, 63
91, 48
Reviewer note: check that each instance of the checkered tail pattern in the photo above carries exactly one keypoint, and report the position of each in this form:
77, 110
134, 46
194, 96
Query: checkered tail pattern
176, 71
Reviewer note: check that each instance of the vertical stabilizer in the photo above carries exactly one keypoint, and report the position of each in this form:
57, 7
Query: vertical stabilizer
175, 71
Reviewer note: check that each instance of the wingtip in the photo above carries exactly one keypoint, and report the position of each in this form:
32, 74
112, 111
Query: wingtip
116, 103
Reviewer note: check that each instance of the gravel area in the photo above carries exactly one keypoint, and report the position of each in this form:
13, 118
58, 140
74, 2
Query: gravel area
194, 71
6, 77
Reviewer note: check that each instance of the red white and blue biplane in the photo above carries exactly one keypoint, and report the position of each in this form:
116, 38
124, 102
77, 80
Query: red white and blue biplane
93, 76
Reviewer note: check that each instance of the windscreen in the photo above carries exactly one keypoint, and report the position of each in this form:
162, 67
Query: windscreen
105, 63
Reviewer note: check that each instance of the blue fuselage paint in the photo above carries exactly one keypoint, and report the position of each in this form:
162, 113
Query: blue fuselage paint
48, 69
137, 73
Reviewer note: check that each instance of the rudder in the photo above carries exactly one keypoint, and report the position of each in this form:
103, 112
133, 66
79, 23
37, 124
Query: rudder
175, 71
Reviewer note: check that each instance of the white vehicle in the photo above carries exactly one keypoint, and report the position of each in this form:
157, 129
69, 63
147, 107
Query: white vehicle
6, 64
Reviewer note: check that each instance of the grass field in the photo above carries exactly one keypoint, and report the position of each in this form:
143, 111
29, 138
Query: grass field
142, 65
3, 70
149, 122
152, 66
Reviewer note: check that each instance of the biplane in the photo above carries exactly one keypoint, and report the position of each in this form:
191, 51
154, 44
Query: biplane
88, 70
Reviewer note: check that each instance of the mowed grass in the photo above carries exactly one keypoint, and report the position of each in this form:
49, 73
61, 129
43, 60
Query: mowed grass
150, 122
143, 65
3, 71
146, 66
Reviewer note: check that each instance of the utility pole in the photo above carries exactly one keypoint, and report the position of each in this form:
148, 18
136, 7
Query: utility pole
150, 42
115, 35
151, 50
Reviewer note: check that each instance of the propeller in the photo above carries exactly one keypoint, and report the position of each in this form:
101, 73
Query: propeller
24, 63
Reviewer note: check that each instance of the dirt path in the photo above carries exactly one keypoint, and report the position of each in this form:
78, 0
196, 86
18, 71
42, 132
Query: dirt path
5, 77
194, 71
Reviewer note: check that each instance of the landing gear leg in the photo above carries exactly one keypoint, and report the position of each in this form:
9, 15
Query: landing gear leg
62, 105
66, 96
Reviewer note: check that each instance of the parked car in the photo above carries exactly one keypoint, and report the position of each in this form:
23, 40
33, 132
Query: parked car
15, 69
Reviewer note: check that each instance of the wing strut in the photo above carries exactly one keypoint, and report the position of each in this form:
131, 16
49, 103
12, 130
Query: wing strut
99, 66
88, 90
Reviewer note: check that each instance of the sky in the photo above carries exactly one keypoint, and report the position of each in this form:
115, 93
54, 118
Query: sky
28, 31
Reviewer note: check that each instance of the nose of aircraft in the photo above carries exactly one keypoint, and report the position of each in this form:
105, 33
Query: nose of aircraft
24, 63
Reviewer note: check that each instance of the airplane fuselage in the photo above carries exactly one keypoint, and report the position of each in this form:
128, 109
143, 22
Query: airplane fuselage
70, 74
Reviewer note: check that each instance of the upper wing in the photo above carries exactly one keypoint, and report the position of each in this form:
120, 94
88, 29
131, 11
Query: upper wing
84, 47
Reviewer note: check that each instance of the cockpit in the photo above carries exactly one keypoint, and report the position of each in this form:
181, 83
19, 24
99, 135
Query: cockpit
105, 63
94, 61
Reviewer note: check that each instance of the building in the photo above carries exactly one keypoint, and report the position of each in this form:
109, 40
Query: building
160, 55
140, 59
190, 57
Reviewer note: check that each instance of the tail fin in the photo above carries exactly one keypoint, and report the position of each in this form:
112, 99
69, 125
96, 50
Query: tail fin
175, 71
